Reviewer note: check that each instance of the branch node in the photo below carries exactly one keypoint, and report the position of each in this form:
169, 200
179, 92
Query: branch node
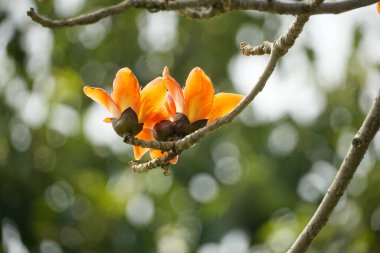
264, 48
357, 142
201, 12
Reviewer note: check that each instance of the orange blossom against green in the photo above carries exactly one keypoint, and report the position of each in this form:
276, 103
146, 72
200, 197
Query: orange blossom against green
162, 110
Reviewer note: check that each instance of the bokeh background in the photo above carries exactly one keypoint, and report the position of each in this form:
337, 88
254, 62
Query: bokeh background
65, 183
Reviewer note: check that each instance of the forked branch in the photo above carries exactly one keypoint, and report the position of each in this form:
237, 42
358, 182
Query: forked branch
278, 49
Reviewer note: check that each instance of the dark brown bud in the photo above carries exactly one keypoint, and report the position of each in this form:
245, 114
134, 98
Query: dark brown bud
183, 127
164, 130
127, 124
181, 124
197, 125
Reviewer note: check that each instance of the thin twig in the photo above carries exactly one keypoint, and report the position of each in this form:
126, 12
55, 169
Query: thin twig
346, 171
284, 43
216, 7
163, 162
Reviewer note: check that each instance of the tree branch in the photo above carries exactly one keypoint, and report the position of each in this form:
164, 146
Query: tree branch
300, 8
278, 49
201, 13
163, 162
346, 171
191, 9
93, 17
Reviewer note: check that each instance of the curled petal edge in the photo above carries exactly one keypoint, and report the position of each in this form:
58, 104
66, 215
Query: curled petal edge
100, 96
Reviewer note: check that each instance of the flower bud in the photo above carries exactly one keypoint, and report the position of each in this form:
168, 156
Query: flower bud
164, 130
183, 127
197, 125
127, 124
181, 124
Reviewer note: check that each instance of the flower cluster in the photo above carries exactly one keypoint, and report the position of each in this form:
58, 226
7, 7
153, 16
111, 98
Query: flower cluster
162, 110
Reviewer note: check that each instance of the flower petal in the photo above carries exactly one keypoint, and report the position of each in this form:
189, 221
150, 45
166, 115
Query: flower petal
153, 98
102, 97
198, 94
223, 103
139, 152
175, 91
154, 118
170, 106
378, 7
154, 153
145, 134
126, 90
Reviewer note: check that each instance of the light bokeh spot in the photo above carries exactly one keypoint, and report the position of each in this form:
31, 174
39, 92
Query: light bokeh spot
340, 117
66, 8
100, 133
65, 120
209, 248
92, 35
35, 111
235, 241
283, 139
228, 170
158, 184
140, 210
224, 148
281, 239
21, 137
11, 239
158, 31
60, 196
314, 184
48, 246
172, 244
203, 188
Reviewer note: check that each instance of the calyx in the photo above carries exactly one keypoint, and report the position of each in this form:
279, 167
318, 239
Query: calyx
167, 130
127, 124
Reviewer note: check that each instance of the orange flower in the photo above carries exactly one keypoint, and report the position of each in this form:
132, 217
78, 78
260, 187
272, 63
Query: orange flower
378, 7
193, 107
134, 111
197, 101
